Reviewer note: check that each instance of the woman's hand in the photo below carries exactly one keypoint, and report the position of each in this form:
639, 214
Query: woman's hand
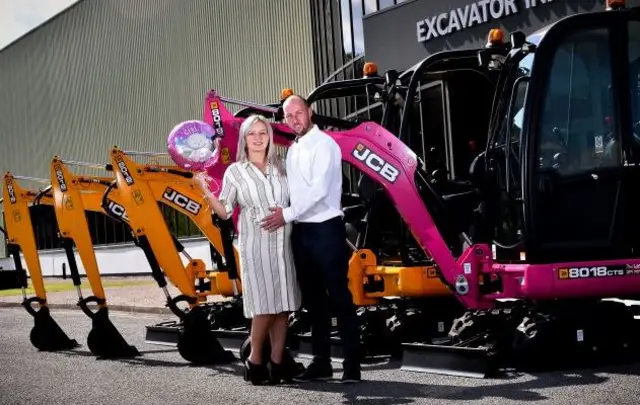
202, 183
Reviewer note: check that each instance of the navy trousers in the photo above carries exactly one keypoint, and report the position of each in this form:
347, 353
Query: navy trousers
321, 256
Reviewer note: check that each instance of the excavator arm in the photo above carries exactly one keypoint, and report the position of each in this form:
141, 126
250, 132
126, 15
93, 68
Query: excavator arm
100, 194
196, 342
46, 334
20, 235
141, 187
74, 228
182, 195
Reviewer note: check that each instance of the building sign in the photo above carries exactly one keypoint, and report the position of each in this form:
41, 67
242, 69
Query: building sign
402, 35
471, 15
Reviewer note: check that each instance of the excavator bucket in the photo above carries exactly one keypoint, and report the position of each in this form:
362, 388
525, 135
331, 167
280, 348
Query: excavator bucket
46, 334
198, 344
105, 341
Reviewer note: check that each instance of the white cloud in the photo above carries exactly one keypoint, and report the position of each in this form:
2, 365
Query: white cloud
17, 17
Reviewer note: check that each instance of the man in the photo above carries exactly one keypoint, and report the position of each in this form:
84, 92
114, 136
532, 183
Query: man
321, 254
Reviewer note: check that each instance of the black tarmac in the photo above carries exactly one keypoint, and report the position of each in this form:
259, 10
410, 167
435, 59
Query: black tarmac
162, 377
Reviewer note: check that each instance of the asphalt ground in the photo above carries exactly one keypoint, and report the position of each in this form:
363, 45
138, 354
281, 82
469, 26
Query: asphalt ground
162, 377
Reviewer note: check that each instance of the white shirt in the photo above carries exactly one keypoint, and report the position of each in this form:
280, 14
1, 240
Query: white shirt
314, 173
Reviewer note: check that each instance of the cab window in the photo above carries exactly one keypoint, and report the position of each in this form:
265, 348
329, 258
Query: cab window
427, 127
575, 133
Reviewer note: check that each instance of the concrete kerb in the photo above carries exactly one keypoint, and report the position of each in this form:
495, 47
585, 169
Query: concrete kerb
118, 308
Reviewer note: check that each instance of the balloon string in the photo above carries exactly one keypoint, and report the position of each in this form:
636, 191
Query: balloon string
213, 182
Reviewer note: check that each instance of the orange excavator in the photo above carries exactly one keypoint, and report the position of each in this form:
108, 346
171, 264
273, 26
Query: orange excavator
69, 196
46, 334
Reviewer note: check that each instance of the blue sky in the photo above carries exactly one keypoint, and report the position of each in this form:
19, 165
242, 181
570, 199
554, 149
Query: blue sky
17, 17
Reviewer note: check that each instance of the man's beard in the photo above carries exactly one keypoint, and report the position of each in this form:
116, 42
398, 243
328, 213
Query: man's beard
304, 130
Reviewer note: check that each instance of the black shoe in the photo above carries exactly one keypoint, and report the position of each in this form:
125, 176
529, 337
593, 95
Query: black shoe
258, 374
351, 373
280, 372
316, 371
292, 368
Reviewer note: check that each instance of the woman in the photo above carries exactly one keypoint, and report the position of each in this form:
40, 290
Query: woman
257, 182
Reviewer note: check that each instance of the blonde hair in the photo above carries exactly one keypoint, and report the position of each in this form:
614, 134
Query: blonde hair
271, 155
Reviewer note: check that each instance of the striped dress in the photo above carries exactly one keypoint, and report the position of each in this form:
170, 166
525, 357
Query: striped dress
269, 282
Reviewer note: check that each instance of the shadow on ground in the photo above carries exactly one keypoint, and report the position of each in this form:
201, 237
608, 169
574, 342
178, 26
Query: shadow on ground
513, 386
228, 368
379, 391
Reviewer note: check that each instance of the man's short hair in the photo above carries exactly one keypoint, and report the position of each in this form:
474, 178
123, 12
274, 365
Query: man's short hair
304, 100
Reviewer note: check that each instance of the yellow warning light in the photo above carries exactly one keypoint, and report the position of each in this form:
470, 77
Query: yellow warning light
285, 93
495, 37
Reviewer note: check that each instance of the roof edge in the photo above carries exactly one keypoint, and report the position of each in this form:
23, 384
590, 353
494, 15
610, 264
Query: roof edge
37, 27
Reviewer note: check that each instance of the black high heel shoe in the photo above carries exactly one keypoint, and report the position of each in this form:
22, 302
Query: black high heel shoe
258, 374
279, 373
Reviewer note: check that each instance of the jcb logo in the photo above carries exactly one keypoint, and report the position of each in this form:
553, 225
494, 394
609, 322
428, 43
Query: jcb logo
181, 201
60, 177
376, 163
117, 210
217, 118
12, 192
125, 172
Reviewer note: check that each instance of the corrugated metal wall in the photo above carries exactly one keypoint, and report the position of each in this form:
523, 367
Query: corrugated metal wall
123, 72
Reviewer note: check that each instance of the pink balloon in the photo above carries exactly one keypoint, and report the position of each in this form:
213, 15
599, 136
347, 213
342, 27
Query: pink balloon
193, 145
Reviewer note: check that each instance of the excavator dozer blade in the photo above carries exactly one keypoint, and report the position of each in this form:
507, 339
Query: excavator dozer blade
449, 360
197, 342
105, 341
164, 333
47, 335
232, 340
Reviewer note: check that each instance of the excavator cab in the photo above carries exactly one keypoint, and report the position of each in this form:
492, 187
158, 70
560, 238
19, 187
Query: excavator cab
553, 231
571, 120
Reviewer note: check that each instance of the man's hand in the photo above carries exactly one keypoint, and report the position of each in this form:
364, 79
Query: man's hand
274, 221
